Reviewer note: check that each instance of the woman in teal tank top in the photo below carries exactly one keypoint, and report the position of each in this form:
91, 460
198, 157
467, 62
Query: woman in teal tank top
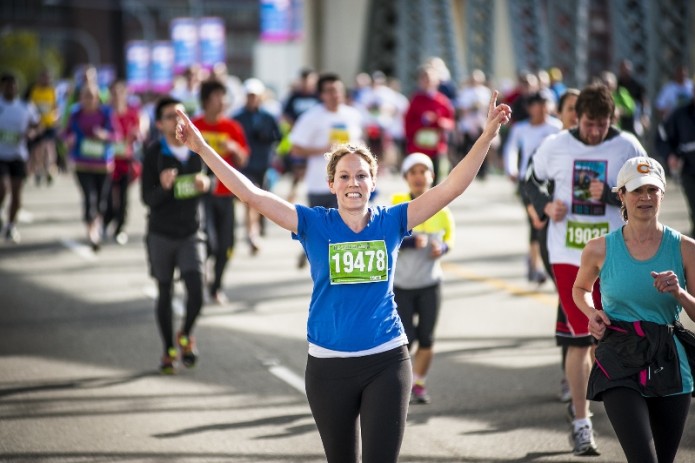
647, 273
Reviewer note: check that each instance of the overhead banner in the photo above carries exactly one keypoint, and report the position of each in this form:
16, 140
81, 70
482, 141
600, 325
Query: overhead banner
211, 42
137, 66
281, 20
184, 38
297, 19
162, 67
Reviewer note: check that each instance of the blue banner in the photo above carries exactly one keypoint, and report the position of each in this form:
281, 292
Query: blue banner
162, 67
276, 20
212, 41
137, 66
184, 38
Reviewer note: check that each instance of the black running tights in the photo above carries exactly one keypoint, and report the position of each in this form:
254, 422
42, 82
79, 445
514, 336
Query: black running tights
649, 429
375, 390
194, 301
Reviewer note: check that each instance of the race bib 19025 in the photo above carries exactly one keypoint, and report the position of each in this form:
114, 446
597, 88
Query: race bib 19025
358, 262
579, 233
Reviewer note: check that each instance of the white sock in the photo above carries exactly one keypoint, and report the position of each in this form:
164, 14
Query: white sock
581, 422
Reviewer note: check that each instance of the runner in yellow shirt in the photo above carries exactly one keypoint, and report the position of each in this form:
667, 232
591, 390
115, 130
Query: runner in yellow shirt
417, 282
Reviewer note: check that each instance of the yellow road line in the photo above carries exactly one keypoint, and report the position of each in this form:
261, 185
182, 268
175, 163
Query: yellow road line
500, 285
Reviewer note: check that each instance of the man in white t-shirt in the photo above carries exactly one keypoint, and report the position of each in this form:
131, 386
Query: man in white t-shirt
318, 129
471, 105
674, 93
583, 164
524, 137
16, 120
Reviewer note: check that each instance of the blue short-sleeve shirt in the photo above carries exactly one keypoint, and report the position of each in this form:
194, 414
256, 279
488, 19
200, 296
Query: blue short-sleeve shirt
352, 305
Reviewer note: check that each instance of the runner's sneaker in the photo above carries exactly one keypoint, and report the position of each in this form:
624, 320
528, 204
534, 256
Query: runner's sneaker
168, 364
254, 245
121, 238
189, 353
540, 277
419, 395
12, 235
583, 441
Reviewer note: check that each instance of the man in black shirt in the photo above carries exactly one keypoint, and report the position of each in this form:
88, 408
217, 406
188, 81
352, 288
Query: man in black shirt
171, 183
680, 139
262, 134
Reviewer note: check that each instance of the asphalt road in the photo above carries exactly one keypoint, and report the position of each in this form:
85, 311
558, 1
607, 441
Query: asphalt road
79, 349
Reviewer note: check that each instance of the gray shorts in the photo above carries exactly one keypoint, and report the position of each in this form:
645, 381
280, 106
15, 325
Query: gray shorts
166, 254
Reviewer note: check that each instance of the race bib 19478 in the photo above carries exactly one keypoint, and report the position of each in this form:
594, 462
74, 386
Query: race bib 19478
358, 262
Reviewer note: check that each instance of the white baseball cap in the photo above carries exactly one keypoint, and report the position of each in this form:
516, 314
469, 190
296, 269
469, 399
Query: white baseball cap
254, 86
414, 159
640, 171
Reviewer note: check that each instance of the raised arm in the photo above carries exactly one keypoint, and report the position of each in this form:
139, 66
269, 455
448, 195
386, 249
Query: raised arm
270, 205
426, 205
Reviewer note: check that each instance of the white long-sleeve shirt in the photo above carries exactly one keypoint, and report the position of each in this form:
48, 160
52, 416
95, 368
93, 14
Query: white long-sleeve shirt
523, 140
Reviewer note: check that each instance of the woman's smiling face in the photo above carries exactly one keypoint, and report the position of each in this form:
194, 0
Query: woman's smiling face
353, 182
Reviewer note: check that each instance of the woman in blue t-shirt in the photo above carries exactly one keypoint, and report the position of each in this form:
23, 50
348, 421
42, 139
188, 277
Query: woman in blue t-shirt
642, 371
358, 362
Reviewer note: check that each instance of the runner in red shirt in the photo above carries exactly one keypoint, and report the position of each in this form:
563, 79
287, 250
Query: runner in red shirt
225, 136
429, 119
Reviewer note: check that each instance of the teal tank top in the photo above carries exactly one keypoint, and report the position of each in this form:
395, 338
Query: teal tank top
627, 287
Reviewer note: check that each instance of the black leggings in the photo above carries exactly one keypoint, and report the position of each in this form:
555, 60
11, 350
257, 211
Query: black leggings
117, 204
688, 183
95, 189
374, 389
649, 429
194, 301
421, 304
220, 226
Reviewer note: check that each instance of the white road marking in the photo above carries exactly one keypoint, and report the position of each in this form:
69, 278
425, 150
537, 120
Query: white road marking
286, 375
502, 285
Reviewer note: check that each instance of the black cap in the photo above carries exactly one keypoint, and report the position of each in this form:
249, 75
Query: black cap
536, 97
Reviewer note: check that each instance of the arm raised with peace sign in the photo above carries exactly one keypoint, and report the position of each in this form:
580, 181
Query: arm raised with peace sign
426, 205
270, 205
